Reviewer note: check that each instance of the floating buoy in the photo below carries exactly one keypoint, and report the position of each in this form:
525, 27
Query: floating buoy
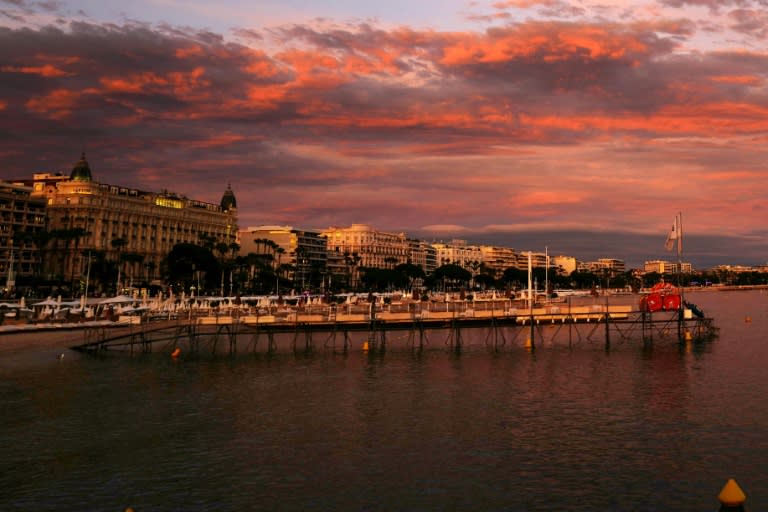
176, 352
747, 319
365, 346
731, 495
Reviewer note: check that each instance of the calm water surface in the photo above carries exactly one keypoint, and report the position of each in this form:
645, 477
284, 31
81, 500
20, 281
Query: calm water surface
560, 429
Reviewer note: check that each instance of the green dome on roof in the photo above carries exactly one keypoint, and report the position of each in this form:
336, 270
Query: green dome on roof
81, 171
228, 200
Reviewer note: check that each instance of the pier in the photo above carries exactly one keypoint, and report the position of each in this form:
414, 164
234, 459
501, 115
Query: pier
375, 328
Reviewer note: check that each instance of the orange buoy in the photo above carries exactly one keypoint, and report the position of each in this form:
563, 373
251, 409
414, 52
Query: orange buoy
747, 319
731, 495
176, 352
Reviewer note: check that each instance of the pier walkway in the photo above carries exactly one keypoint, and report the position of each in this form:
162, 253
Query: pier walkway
414, 325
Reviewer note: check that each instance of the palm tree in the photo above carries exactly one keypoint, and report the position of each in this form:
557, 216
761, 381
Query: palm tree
119, 244
352, 260
391, 261
75, 234
301, 265
206, 240
279, 251
132, 258
222, 248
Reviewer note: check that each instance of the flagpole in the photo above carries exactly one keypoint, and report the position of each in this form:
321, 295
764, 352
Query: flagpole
680, 256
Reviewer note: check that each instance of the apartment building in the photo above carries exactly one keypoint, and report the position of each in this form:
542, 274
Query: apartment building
22, 219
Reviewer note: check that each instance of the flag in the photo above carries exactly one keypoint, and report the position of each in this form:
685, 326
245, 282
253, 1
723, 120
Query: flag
674, 236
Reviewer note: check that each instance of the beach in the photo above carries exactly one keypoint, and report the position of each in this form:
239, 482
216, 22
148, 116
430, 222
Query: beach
40, 339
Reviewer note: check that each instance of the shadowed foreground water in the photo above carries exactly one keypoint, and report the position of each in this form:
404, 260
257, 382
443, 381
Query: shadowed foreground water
559, 429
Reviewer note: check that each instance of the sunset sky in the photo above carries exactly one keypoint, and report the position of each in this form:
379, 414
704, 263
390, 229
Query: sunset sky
568, 123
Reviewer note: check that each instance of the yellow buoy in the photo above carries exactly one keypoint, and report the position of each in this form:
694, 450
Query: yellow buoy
176, 352
731, 495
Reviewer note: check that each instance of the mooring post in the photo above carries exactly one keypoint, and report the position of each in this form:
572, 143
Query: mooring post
607, 325
232, 339
421, 336
532, 340
383, 335
457, 329
307, 339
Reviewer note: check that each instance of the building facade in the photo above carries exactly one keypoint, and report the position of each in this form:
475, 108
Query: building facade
22, 221
609, 266
498, 259
304, 251
667, 267
458, 252
564, 265
368, 247
87, 217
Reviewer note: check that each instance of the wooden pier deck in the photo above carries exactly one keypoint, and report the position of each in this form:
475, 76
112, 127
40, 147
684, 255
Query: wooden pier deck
339, 330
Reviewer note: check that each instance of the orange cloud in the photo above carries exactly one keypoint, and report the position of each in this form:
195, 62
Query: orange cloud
266, 96
189, 86
260, 65
47, 71
751, 80
189, 51
56, 105
224, 139
552, 42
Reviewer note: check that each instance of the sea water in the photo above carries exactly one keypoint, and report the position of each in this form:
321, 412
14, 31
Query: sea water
636, 427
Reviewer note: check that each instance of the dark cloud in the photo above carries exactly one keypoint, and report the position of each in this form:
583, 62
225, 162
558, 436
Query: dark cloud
250, 34
12, 16
712, 5
750, 21
49, 5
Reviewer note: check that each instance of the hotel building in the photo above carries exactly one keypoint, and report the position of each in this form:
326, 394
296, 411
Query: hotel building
147, 224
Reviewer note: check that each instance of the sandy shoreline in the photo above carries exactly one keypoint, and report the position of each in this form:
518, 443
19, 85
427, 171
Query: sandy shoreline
54, 338
62, 336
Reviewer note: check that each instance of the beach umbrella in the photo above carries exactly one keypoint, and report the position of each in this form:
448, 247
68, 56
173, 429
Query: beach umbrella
120, 299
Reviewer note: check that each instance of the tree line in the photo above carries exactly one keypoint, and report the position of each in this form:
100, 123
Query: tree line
214, 267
